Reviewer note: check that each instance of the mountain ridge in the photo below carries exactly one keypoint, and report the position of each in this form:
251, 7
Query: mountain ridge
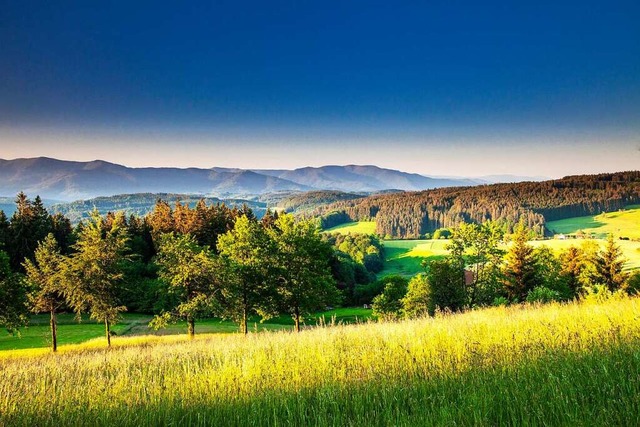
68, 180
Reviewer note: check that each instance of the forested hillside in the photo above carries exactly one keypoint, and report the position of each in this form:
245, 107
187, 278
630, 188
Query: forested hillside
414, 214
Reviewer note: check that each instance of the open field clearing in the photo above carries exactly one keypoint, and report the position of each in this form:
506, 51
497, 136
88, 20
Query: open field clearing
359, 227
624, 223
572, 364
404, 257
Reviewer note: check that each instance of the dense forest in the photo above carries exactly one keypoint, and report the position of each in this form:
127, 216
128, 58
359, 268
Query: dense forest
416, 214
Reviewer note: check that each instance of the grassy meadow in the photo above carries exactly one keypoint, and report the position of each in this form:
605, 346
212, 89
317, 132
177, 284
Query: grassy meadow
625, 223
573, 364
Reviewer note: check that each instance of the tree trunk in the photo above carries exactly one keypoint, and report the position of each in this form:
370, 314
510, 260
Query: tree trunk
107, 328
191, 327
54, 331
244, 321
243, 327
296, 317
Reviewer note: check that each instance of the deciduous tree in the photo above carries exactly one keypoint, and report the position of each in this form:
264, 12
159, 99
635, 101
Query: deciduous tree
247, 284
47, 293
189, 270
93, 273
304, 279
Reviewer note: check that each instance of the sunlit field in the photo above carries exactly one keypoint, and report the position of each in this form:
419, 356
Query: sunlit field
359, 227
624, 223
404, 257
574, 364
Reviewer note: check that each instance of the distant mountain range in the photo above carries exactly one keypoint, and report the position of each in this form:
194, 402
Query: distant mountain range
68, 180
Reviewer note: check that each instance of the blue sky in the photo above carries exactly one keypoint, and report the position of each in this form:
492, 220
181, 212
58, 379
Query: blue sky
441, 88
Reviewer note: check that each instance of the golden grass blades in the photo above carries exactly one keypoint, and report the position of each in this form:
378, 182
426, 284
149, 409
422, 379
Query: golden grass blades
528, 364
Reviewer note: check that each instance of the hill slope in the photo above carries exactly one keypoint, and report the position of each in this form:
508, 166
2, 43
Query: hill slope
499, 366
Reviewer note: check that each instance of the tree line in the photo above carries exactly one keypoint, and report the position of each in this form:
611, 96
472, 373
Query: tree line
418, 214
478, 272
176, 262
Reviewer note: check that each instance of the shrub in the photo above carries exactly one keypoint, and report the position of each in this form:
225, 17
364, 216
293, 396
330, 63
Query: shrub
542, 294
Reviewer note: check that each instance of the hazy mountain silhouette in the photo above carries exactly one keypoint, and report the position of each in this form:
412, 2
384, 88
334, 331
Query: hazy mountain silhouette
70, 180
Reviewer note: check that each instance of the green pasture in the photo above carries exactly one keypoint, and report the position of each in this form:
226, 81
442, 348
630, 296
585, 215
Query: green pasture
70, 331
38, 334
623, 223
359, 227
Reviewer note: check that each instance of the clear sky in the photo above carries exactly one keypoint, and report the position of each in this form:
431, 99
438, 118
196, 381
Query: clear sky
440, 87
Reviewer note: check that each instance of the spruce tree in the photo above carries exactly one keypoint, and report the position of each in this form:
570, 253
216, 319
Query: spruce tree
520, 267
609, 264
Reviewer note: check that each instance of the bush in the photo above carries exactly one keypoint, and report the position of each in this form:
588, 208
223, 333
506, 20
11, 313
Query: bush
633, 284
542, 294
388, 305
417, 301
601, 293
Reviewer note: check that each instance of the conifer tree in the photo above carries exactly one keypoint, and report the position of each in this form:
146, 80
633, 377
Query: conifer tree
13, 291
609, 264
161, 219
520, 269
